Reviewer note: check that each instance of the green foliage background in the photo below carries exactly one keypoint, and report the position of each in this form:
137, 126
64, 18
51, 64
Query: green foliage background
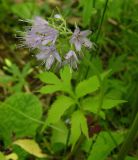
41, 106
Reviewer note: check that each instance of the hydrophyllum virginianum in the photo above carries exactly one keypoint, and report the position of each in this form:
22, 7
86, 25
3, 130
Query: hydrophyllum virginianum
54, 42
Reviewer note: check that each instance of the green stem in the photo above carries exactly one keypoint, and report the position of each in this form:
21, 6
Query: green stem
129, 139
102, 19
98, 33
94, 2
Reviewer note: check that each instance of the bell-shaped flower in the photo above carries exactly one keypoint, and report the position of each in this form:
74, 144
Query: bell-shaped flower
40, 34
71, 59
48, 55
79, 38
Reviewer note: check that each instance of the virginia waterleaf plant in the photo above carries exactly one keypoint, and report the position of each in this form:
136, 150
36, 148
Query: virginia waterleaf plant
79, 101
59, 48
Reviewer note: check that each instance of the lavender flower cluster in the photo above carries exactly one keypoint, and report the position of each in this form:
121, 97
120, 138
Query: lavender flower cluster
42, 36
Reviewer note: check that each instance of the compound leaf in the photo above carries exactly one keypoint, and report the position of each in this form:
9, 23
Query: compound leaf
87, 86
58, 108
78, 125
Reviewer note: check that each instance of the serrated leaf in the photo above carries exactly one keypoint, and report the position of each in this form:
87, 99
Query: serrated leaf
50, 89
92, 104
104, 145
56, 84
87, 86
88, 104
110, 103
66, 74
78, 126
31, 147
58, 108
49, 77
19, 115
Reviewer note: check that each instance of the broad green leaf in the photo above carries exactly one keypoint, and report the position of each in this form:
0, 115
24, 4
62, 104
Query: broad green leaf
92, 104
89, 104
59, 136
105, 144
66, 74
56, 84
31, 147
19, 115
49, 77
48, 89
58, 108
110, 103
87, 86
78, 126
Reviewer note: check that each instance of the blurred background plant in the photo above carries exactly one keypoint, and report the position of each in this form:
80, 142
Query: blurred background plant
116, 38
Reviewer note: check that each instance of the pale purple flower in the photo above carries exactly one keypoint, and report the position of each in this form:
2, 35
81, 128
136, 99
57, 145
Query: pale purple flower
48, 55
79, 38
40, 34
38, 21
71, 59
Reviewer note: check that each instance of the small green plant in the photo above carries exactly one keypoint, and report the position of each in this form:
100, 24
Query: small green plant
15, 76
74, 107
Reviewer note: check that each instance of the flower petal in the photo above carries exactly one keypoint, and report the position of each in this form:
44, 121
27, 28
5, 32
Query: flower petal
38, 21
42, 56
57, 56
87, 43
77, 31
49, 62
77, 45
85, 33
